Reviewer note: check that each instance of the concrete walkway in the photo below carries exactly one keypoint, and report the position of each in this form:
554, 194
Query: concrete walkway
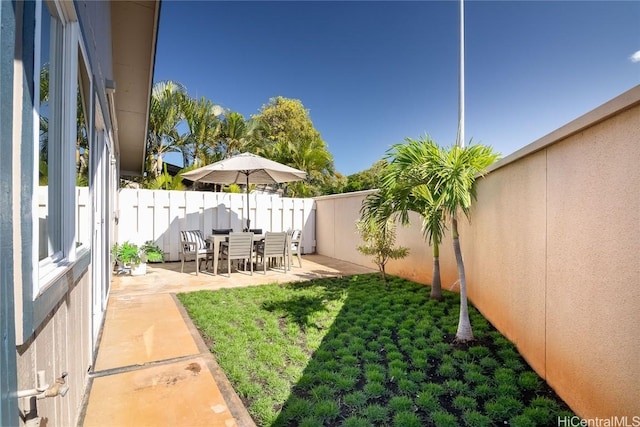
153, 368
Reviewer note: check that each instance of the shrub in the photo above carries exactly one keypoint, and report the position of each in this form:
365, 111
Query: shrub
376, 414
476, 377
521, 421
489, 362
447, 370
400, 403
476, 419
345, 383
504, 376
434, 389
544, 403
541, 416
456, 386
479, 351
529, 381
507, 390
153, 251
502, 408
484, 390
374, 376
417, 376
406, 386
444, 419
350, 372
396, 373
322, 392
311, 422
356, 399
406, 419
396, 356
296, 408
464, 403
356, 422
379, 239
374, 389
327, 410
370, 356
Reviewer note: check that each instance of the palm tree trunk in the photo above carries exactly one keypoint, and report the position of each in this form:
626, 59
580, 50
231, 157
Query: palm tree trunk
464, 333
436, 286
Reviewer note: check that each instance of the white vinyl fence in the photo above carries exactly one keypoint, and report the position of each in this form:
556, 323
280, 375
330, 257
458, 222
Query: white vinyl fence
83, 218
159, 215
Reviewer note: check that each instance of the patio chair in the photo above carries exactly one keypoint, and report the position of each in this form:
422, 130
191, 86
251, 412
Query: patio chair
192, 244
238, 247
295, 239
274, 246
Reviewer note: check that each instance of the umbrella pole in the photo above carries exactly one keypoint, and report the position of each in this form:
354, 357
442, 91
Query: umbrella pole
248, 220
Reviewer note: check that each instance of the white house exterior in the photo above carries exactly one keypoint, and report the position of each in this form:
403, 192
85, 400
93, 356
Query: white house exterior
54, 281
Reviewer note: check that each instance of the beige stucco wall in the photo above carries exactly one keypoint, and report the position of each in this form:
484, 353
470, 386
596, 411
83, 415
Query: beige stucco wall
593, 268
61, 344
551, 255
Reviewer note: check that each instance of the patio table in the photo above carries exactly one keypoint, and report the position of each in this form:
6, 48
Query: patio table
216, 239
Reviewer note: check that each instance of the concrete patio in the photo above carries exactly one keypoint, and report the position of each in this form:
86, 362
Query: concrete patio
153, 368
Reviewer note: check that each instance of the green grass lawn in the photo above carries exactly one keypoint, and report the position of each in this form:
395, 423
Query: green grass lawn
348, 352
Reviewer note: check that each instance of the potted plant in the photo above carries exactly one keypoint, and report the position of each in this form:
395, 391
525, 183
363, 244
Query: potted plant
152, 251
131, 257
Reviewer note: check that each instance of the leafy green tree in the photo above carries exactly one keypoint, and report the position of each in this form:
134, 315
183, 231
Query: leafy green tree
335, 185
377, 228
368, 179
292, 139
164, 116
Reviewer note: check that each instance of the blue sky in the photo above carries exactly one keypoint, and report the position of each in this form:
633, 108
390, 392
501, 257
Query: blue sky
373, 73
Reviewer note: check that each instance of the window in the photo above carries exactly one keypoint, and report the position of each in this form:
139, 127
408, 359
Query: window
59, 96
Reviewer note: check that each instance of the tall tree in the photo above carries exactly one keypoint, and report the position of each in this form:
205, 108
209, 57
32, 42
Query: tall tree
437, 183
293, 140
239, 135
199, 144
407, 180
164, 116
453, 176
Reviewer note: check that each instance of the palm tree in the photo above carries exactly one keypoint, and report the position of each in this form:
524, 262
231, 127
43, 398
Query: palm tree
200, 144
164, 116
240, 135
310, 154
406, 180
166, 182
453, 177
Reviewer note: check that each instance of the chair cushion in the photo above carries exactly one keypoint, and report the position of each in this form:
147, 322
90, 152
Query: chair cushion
193, 236
222, 230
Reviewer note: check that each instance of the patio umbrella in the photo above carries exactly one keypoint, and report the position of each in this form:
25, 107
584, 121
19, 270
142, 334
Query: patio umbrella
245, 168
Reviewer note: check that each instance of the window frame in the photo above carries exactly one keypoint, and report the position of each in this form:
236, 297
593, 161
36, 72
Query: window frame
63, 87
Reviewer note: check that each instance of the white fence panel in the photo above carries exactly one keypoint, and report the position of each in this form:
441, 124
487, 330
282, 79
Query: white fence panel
159, 215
